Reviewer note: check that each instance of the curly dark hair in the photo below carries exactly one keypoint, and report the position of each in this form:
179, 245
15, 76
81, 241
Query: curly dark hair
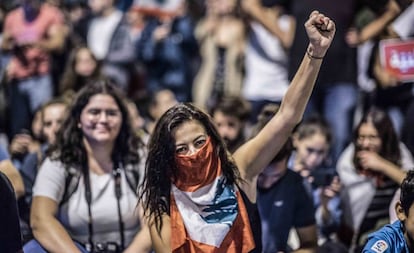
382, 123
70, 149
160, 168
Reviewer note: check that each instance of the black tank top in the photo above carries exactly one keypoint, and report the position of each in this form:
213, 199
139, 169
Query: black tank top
255, 222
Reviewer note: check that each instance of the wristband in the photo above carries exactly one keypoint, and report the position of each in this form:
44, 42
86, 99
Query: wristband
312, 56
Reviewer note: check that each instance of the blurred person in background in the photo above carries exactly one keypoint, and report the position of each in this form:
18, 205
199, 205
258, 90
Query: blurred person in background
167, 47
283, 201
109, 39
27, 141
230, 115
269, 37
312, 141
31, 33
221, 35
371, 169
403, 26
159, 102
81, 68
53, 113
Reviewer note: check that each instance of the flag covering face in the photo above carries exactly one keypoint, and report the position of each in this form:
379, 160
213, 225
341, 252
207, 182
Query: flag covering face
208, 216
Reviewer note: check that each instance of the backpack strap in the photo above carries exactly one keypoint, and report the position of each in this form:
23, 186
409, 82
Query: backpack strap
73, 176
132, 177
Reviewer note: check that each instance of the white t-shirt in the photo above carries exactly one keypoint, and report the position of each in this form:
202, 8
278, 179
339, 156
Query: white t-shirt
73, 215
100, 33
404, 24
266, 80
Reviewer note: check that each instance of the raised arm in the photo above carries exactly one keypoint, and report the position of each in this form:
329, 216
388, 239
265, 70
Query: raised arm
253, 156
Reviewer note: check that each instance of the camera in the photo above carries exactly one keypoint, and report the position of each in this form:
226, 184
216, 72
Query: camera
322, 177
107, 247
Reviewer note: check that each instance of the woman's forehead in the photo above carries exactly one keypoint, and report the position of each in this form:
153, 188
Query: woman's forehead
188, 131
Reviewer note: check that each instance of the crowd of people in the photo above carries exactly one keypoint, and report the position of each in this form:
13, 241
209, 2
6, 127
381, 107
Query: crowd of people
204, 126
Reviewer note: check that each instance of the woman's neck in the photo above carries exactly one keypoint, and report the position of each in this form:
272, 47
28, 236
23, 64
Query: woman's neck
99, 157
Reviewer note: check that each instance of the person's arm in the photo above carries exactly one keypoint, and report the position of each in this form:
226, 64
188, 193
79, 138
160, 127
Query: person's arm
308, 239
377, 244
384, 78
372, 161
328, 213
13, 175
142, 241
268, 18
55, 40
206, 27
253, 156
7, 42
47, 229
161, 242
375, 27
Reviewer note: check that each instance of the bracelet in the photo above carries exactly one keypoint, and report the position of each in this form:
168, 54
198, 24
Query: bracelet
312, 56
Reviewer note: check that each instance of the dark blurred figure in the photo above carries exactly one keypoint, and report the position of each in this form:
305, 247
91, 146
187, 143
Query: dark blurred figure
230, 115
10, 237
167, 47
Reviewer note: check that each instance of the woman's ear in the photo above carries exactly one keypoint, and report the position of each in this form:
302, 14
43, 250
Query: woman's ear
399, 210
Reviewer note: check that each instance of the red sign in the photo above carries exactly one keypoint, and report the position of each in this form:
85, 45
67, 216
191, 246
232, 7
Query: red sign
397, 57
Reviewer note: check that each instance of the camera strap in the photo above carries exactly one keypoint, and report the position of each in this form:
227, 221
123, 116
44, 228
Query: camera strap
116, 172
118, 194
88, 197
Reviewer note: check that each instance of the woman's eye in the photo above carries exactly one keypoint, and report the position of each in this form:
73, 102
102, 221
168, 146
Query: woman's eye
200, 143
180, 150
112, 112
94, 112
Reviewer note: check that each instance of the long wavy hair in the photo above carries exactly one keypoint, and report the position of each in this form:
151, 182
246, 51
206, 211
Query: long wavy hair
70, 149
390, 149
72, 80
160, 168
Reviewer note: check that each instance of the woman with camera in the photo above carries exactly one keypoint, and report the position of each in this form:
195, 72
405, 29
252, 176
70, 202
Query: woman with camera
85, 191
312, 141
